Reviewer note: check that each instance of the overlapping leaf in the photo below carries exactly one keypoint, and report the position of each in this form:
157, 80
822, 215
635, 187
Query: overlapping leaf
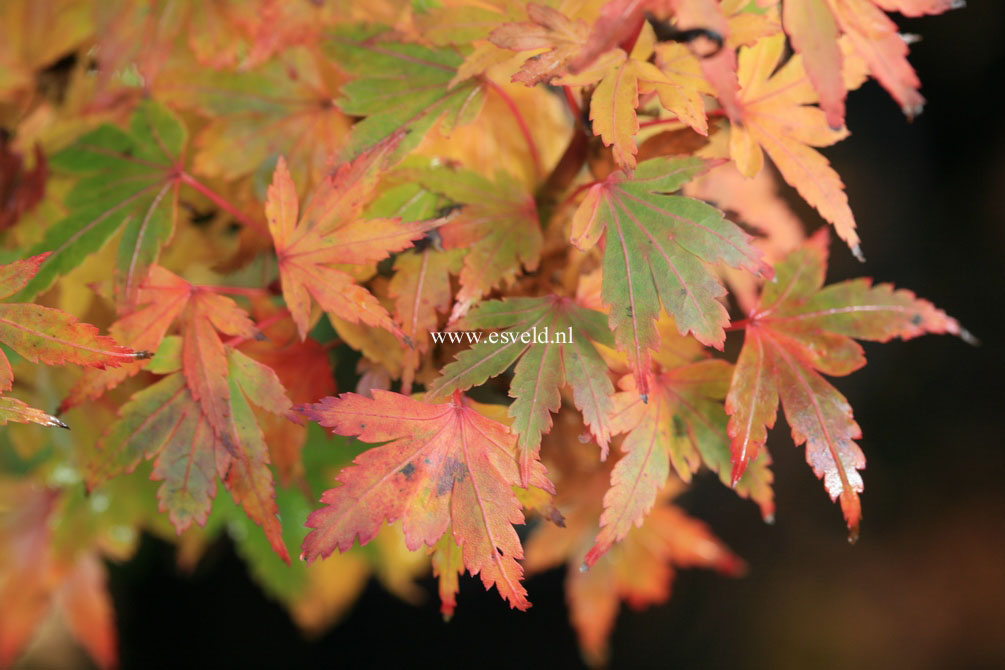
800, 330
197, 420
160, 299
548, 29
329, 231
127, 179
777, 115
400, 86
284, 107
421, 292
167, 421
658, 250
682, 425
622, 78
445, 468
497, 225
549, 340
303, 368
814, 26
47, 335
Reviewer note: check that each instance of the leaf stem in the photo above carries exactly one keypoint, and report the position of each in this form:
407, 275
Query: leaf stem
674, 119
570, 99
268, 321
737, 325
235, 290
579, 189
520, 121
223, 203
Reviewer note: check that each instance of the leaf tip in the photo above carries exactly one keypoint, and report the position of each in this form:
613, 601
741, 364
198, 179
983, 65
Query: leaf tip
968, 337
856, 251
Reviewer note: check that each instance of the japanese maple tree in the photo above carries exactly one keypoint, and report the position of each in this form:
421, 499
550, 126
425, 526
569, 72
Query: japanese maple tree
250, 195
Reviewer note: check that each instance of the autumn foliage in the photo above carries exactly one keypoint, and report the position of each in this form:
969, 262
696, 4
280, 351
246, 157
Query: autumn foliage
250, 196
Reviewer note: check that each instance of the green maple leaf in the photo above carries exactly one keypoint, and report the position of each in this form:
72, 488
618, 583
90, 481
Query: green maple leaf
397, 86
496, 224
659, 249
542, 368
127, 178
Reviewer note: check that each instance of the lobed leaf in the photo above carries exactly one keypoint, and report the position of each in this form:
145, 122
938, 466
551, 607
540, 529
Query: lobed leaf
444, 468
799, 330
556, 351
658, 251
128, 179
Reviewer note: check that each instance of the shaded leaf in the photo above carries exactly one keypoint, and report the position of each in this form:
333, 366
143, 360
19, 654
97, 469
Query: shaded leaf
127, 179
400, 86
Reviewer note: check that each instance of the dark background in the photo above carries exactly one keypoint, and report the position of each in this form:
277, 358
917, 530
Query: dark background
924, 587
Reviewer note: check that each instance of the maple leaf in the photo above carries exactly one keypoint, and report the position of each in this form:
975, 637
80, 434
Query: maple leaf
682, 424
420, 286
658, 248
777, 114
303, 368
814, 26
291, 95
421, 289
160, 299
166, 421
547, 29
48, 335
400, 86
127, 180
555, 350
497, 225
445, 468
329, 231
622, 78
799, 330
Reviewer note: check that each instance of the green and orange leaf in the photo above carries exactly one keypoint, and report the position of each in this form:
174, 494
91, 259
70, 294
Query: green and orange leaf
497, 225
800, 329
128, 180
556, 351
659, 250
398, 86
